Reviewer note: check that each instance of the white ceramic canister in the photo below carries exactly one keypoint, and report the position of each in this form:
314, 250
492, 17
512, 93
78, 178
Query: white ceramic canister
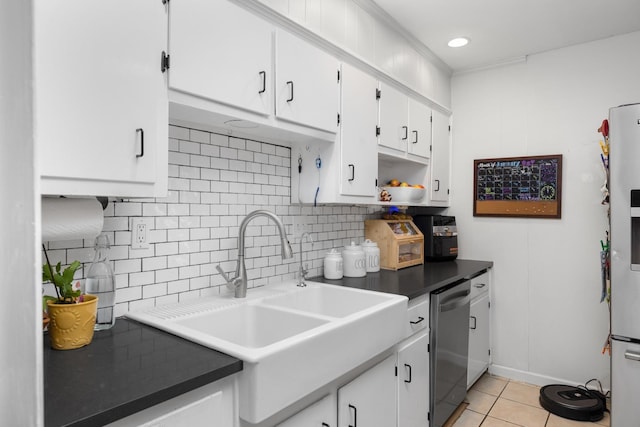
372, 254
333, 265
354, 261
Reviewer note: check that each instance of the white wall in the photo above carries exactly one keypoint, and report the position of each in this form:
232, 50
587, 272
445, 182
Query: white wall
21, 402
548, 323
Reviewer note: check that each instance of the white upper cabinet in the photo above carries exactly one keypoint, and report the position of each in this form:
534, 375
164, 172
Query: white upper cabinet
359, 157
393, 119
404, 125
101, 113
223, 53
419, 143
307, 86
343, 171
440, 160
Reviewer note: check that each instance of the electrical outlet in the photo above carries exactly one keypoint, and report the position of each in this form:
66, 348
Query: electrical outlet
139, 233
300, 226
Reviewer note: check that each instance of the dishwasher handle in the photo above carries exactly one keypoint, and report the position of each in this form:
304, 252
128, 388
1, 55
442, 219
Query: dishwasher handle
457, 300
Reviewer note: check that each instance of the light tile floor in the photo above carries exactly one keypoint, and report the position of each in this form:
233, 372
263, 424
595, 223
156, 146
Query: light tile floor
499, 402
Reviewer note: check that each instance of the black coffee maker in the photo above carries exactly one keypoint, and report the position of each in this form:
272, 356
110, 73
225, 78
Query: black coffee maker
440, 236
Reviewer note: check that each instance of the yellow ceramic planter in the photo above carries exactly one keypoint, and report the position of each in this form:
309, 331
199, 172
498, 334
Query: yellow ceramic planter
71, 325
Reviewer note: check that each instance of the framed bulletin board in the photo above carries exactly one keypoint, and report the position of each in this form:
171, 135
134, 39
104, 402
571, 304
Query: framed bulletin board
518, 186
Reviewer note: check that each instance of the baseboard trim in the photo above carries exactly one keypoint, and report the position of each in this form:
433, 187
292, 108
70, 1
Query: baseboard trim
529, 377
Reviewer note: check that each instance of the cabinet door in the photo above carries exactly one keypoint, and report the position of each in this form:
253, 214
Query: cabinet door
419, 129
221, 52
101, 108
307, 87
359, 154
370, 399
479, 350
215, 401
413, 382
393, 119
320, 414
440, 158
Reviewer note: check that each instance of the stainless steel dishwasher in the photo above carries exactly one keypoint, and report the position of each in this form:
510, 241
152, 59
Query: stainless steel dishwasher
449, 347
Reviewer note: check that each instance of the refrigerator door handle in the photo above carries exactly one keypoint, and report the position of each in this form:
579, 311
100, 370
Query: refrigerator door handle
632, 355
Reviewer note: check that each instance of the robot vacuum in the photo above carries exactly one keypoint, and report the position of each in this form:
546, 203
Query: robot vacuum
574, 403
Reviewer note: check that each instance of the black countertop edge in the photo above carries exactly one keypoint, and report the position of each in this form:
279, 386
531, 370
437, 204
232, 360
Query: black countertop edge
415, 281
132, 407
126, 369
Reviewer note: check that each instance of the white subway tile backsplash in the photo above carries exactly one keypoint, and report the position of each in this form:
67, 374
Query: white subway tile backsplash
210, 151
169, 248
142, 278
214, 182
166, 275
154, 263
130, 293
154, 290
199, 136
178, 132
178, 158
127, 266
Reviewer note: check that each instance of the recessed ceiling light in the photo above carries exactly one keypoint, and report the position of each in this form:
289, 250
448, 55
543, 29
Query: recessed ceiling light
458, 42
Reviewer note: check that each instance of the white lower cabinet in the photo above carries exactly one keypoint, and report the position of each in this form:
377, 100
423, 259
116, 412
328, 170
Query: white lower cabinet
320, 414
370, 399
479, 329
413, 381
214, 404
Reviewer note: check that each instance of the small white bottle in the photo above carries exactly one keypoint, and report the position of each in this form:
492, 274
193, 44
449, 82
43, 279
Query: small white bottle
333, 265
101, 283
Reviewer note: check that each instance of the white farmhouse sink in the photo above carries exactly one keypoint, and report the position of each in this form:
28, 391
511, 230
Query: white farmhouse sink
292, 340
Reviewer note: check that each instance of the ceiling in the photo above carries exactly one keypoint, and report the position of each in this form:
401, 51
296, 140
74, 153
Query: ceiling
507, 30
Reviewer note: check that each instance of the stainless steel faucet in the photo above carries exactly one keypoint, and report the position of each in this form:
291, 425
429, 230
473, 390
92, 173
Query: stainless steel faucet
302, 272
239, 282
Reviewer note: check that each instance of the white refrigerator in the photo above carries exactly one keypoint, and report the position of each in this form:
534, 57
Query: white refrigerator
624, 193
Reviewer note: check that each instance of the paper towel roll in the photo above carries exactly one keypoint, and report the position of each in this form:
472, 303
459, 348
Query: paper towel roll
71, 218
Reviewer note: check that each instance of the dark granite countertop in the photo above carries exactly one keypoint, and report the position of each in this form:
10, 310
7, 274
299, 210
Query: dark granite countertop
124, 370
414, 281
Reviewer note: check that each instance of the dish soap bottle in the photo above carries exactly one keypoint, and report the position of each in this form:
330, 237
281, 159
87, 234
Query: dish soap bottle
101, 283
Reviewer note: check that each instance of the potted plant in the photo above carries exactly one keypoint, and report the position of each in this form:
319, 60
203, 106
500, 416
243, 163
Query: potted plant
72, 314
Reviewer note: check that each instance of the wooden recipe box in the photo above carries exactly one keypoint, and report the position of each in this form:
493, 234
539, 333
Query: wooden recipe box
401, 243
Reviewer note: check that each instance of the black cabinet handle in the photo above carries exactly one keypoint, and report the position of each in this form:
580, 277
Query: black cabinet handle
420, 319
438, 185
353, 172
141, 132
406, 133
480, 285
475, 321
408, 366
263, 74
290, 84
416, 133
355, 416
325, 425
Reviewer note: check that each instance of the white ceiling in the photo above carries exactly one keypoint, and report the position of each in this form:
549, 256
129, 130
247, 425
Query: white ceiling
506, 30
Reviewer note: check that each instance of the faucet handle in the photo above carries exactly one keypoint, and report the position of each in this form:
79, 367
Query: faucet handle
231, 283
